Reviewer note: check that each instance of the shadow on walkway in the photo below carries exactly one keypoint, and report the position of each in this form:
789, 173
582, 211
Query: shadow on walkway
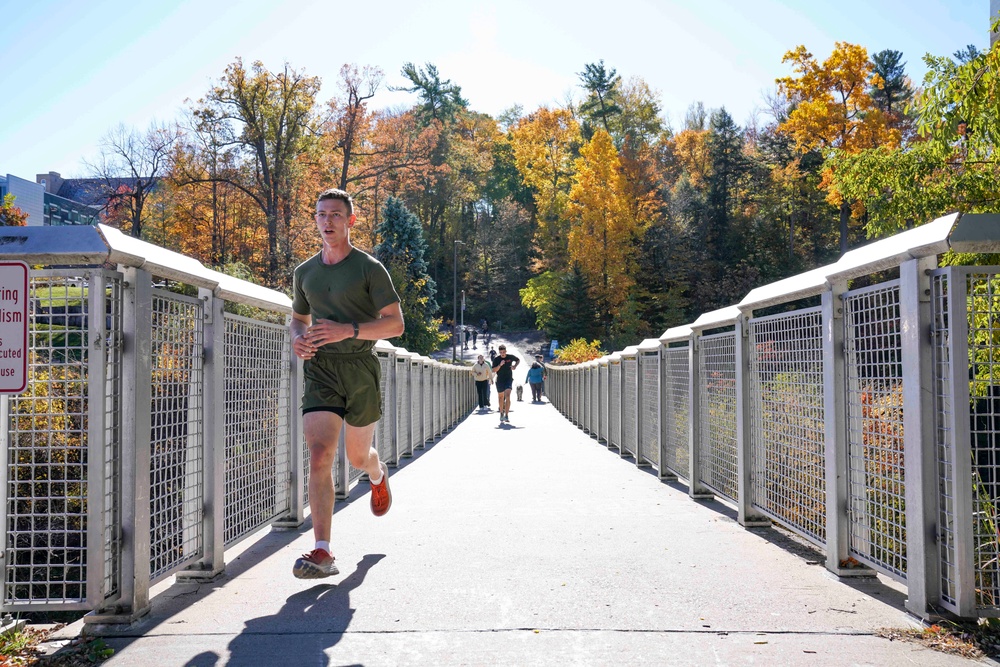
309, 623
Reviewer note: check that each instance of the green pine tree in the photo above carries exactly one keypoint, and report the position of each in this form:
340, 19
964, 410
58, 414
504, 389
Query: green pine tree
574, 312
401, 249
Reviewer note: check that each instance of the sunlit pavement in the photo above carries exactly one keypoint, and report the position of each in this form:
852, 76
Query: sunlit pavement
527, 544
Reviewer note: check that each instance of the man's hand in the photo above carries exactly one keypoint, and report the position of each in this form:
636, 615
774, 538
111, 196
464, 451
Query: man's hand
327, 331
302, 348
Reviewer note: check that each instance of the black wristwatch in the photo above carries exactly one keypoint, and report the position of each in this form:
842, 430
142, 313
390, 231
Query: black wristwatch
355, 325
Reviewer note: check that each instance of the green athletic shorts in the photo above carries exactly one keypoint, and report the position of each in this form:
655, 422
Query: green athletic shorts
346, 384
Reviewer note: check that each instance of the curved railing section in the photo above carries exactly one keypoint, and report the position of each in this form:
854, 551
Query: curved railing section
857, 405
161, 423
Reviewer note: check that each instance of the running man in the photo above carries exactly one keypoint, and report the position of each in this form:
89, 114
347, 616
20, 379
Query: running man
504, 365
343, 302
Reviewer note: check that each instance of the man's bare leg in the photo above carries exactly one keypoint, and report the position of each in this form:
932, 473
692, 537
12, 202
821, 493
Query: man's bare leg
360, 451
322, 433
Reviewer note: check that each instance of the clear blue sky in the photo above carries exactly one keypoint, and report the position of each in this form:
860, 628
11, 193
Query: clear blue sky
73, 70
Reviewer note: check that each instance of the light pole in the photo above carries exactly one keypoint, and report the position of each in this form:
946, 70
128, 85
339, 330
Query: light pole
454, 302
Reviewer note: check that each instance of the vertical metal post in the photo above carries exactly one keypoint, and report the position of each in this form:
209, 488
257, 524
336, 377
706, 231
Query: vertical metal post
341, 468
746, 515
96, 415
963, 521
296, 458
695, 488
213, 521
136, 401
923, 580
835, 425
662, 370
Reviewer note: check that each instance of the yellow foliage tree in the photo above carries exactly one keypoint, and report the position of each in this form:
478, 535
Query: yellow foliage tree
834, 111
605, 224
544, 145
691, 152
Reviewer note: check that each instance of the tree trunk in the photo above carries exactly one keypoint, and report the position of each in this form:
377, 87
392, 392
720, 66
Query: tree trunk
845, 216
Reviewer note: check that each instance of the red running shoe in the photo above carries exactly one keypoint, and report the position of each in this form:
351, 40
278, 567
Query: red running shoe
381, 495
315, 565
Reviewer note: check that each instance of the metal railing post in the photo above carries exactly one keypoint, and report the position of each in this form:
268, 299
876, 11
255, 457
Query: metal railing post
96, 452
696, 489
213, 521
296, 441
746, 515
136, 400
923, 580
835, 426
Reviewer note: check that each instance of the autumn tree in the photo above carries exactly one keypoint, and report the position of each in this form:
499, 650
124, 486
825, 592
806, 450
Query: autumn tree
128, 169
545, 145
603, 233
834, 110
11, 215
349, 112
266, 116
954, 165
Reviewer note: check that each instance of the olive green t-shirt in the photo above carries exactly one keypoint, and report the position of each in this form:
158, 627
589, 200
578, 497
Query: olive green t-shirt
355, 288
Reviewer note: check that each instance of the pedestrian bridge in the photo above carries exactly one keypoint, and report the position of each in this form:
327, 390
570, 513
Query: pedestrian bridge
852, 405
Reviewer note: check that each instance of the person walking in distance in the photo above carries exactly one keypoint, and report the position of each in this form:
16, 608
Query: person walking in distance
343, 301
536, 374
504, 365
483, 375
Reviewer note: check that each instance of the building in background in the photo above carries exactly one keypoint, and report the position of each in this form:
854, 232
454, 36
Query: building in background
54, 201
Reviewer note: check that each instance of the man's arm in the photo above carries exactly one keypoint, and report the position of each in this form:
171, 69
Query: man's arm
389, 325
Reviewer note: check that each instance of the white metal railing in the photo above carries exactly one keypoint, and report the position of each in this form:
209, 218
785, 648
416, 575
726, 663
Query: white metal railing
864, 417
157, 429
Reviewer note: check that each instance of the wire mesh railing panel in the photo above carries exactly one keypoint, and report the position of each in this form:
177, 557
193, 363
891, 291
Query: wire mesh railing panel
47, 443
788, 438
630, 392
876, 477
176, 495
983, 303
944, 438
602, 408
718, 414
258, 433
676, 409
649, 438
615, 405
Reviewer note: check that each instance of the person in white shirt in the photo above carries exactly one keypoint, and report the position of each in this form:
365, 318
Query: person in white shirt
483, 375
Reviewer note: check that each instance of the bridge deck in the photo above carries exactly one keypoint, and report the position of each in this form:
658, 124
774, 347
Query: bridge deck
528, 544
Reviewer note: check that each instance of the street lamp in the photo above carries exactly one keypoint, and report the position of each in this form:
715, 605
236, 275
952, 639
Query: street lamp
454, 302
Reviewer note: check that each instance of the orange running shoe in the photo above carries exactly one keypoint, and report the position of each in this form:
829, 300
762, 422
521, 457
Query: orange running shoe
381, 495
315, 565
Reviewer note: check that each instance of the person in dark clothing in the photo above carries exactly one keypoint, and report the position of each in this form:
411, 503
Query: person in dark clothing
504, 365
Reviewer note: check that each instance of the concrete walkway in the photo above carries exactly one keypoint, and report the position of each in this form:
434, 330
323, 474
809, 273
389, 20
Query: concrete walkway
528, 544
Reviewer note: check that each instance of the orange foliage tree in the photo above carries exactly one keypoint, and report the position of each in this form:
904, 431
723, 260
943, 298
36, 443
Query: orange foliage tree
834, 111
